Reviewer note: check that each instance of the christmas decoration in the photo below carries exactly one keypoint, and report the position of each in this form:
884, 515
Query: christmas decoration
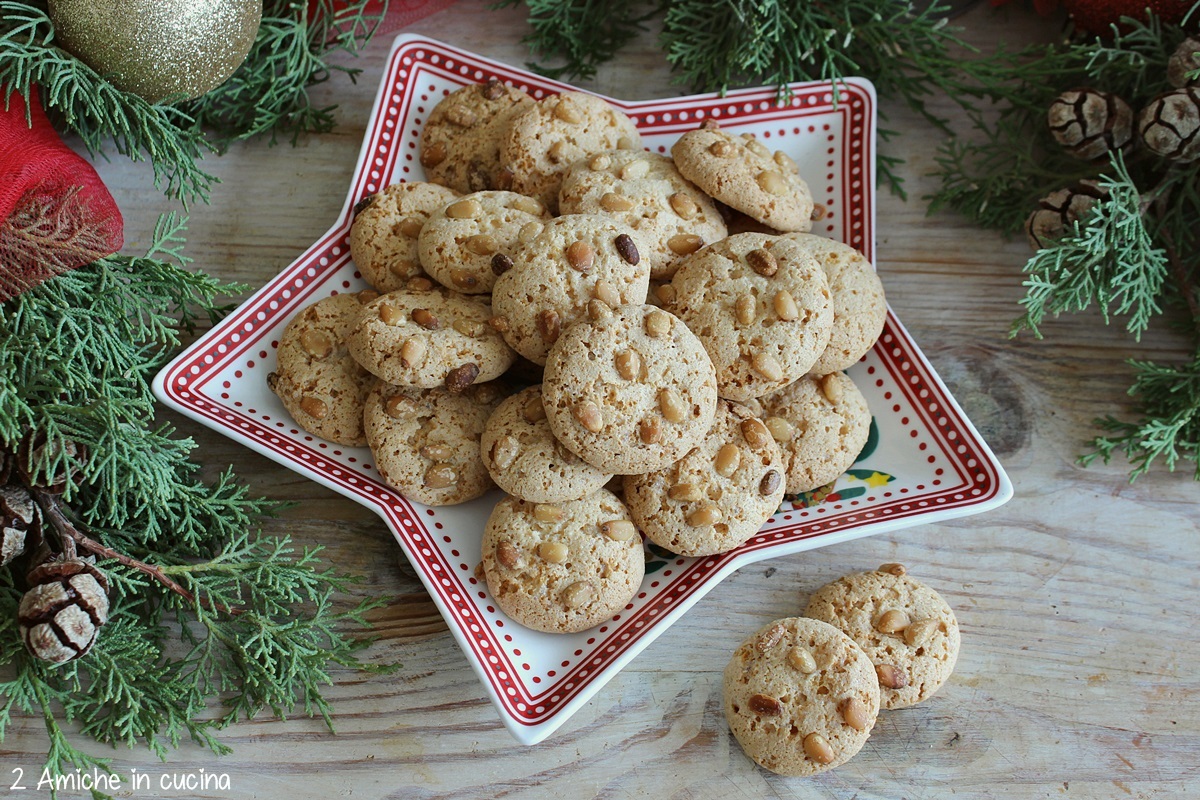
55, 212
1183, 68
1088, 123
1100, 17
159, 49
141, 599
1169, 125
1128, 243
267, 94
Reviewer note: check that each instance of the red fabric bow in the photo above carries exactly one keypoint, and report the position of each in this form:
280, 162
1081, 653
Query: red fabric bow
55, 212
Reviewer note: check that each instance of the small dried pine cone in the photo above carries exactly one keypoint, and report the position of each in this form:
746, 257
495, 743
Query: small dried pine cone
61, 615
1089, 123
19, 517
1169, 125
1058, 210
1185, 59
33, 451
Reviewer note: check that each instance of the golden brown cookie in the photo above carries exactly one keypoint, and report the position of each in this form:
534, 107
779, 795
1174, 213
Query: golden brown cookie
383, 236
907, 630
800, 697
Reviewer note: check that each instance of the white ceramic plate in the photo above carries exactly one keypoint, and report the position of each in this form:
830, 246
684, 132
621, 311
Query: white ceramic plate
924, 463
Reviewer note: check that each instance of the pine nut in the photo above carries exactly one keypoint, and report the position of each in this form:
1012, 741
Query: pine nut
831, 387
745, 309
437, 452
534, 411
425, 319
817, 748
762, 262
893, 568
727, 460
772, 182
598, 310
684, 205
548, 325
686, 492
818, 212
553, 552
634, 170
389, 314
918, 633
316, 344
771, 637
507, 555
579, 593
462, 117
468, 328
464, 279
418, 283
785, 306
615, 203
314, 407
581, 256
781, 430
411, 227
494, 89
627, 250
433, 155
785, 161
619, 530
765, 705
892, 621
629, 364
756, 434
557, 152
461, 377
402, 267
801, 659
529, 232
707, 514
606, 293
464, 209
658, 324
505, 451
588, 415
498, 324
625, 143
528, 205
397, 406
757, 147
684, 244
722, 149
770, 483
665, 294
482, 244
547, 512
600, 162
440, 476
367, 295
890, 676
671, 406
854, 712
650, 430
567, 112
767, 365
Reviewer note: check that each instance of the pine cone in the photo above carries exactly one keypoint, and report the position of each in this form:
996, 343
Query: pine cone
32, 452
61, 614
19, 517
1089, 123
1169, 125
1059, 210
1183, 61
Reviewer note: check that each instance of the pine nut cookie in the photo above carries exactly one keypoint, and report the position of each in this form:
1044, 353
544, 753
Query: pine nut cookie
646, 191
859, 306
821, 424
741, 172
426, 441
428, 338
761, 305
465, 245
524, 458
545, 139
559, 269
630, 390
718, 495
562, 568
460, 145
907, 630
800, 697
383, 236
316, 379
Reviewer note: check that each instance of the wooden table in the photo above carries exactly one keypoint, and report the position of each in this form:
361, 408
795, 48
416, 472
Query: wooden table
1077, 674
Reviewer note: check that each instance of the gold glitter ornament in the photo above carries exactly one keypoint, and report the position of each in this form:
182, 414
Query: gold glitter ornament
159, 49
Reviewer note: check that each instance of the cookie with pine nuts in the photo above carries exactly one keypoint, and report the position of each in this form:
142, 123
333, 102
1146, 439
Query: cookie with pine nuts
646, 191
761, 305
629, 390
742, 173
562, 567
383, 235
800, 697
541, 142
821, 425
558, 270
460, 144
718, 495
906, 628
859, 305
525, 460
426, 441
319, 383
465, 245
429, 337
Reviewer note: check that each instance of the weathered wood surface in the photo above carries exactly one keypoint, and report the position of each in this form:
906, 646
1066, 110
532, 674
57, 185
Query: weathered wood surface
1077, 676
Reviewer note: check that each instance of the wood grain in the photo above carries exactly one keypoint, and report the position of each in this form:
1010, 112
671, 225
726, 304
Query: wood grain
1076, 677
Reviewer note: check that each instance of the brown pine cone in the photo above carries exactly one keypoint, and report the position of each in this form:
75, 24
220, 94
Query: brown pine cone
1185, 59
19, 517
1059, 210
1169, 125
35, 449
1088, 123
61, 614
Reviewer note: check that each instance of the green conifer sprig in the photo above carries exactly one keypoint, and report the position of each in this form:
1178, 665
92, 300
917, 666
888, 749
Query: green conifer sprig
212, 619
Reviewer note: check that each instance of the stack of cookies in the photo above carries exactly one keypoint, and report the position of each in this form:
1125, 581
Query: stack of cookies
561, 313
803, 693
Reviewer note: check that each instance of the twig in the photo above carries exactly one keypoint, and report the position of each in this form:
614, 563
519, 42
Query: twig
73, 536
